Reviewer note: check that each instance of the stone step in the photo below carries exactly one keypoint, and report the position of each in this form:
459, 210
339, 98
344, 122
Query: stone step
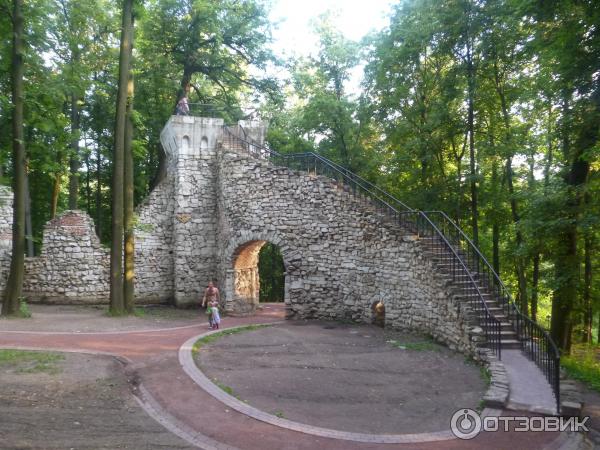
510, 344
465, 281
494, 310
488, 298
507, 335
443, 250
500, 317
448, 264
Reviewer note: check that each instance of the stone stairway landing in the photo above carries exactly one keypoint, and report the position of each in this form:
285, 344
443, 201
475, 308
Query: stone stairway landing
529, 389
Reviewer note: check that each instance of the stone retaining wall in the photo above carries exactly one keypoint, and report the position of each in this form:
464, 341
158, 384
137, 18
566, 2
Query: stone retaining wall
6, 219
73, 266
216, 203
340, 256
154, 245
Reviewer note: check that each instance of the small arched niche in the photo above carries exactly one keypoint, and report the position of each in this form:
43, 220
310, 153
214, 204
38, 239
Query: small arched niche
185, 145
203, 144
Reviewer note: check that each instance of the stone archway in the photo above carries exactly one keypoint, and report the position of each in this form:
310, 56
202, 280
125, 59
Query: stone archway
242, 280
246, 281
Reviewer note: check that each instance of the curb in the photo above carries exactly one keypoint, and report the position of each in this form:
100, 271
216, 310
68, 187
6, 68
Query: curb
149, 404
186, 360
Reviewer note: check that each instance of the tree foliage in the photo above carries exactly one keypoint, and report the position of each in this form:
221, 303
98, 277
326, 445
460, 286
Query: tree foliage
487, 110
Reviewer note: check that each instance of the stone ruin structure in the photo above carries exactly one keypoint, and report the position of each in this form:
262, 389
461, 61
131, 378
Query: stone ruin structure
208, 219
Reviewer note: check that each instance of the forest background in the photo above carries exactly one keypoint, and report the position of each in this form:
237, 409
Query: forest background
488, 110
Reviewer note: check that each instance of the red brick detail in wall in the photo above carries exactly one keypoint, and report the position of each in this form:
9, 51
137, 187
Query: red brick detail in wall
71, 223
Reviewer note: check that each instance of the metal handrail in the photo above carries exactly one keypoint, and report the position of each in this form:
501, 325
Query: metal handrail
548, 360
490, 320
529, 332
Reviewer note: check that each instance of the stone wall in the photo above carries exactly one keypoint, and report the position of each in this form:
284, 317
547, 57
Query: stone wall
6, 219
73, 266
340, 255
154, 245
194, 215
215, 209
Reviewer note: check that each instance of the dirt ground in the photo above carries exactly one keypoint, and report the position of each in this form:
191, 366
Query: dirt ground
79, 402
346, 377
87, 319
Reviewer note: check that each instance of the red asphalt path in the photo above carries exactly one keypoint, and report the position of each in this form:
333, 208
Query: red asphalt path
153, 357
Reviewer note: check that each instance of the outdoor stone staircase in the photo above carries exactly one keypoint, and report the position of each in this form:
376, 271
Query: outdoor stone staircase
444, 263
459, 267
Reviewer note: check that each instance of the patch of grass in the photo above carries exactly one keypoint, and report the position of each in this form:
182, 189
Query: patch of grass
213, 337
31, 362
110, 313
418, 346
224, 387
24, 311
583, 364
227, 389
486, 375
139, 312
279, 413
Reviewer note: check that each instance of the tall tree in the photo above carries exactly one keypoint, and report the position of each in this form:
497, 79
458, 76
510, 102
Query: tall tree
14, 285
128, 185
208, 47
117, 305
570, 43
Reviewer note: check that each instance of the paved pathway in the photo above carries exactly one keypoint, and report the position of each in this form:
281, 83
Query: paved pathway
528, 386
173, 398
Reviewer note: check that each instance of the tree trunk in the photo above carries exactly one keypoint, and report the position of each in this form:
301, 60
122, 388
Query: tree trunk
128, 292
598, 336
471, 127
521, 278
534, 286
587, 283
98, 188
56, 185
74, 156
567, 262
54, 198
28, 226
117, 306
495, 225
88, 182
14, 285
537, 253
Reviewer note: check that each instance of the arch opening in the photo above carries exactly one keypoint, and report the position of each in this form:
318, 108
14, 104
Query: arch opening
258, 275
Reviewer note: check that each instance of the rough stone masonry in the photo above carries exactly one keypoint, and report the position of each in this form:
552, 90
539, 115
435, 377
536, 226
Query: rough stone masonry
208, 219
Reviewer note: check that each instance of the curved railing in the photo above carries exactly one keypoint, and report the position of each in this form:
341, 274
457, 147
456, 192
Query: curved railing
535, 340
467, 262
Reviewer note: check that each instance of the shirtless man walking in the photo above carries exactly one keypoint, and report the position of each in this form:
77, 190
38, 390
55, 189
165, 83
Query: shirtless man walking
210, 294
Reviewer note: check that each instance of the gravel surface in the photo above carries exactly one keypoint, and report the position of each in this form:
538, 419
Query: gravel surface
88, 319
78, 402
345, 377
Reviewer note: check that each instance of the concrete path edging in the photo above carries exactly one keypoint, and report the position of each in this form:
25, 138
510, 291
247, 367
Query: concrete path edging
154, 410
145, 400
100, 333
186, 360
